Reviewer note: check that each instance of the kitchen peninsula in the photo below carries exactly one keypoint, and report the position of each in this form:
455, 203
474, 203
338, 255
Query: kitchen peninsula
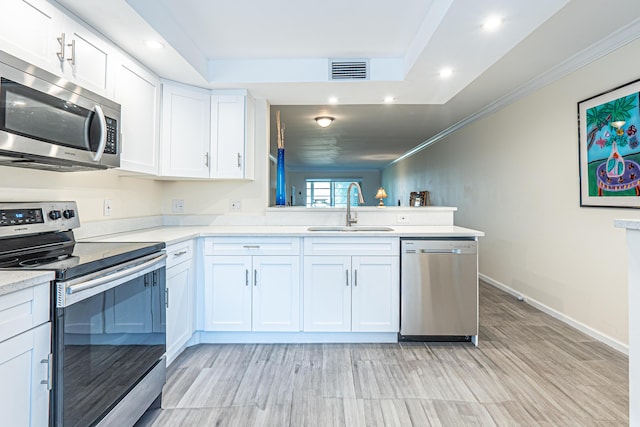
261, 282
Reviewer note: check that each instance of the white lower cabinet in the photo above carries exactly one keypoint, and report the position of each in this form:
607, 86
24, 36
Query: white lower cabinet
252, 292
179, 297
351, 293
25, 357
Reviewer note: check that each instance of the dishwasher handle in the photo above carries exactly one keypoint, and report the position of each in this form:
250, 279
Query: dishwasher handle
454, 251
440, 251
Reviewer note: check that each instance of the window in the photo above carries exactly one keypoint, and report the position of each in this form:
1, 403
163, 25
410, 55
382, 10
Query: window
330, 192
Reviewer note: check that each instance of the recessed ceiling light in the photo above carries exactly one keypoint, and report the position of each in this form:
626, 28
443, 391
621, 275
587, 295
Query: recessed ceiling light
153, 44
492, 23
333, 100
388, 99
446, 73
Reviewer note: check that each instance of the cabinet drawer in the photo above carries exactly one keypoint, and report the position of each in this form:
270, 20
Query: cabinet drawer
24, 309
351, 246
252, 246
179, 253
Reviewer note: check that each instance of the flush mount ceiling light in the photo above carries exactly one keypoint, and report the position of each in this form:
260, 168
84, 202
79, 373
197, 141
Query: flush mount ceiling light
324, 121
333, 100
492, 23
388, 99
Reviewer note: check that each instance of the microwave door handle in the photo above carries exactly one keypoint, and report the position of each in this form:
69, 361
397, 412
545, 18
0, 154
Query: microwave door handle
103, 133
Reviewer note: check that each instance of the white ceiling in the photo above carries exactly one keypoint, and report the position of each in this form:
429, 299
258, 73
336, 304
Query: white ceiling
280, 51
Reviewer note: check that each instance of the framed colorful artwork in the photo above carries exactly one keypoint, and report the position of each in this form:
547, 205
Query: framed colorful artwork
609, 148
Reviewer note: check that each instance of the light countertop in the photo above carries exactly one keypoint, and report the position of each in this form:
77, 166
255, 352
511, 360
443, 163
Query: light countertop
171, 235
16, 280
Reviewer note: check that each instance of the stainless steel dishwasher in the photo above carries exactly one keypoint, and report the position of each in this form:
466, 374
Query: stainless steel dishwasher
439, 290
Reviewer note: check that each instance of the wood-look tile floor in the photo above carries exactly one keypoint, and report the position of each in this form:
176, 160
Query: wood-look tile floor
529, 370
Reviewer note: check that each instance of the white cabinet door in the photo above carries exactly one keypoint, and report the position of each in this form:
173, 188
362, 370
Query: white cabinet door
138, 92
375, 294
88, 59
228, 136
276, 293
227, 293
327, 293
179, 322
30, 29
24, 400
128, 308
185, 132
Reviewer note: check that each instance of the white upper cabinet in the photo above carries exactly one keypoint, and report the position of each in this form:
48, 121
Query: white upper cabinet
205, 135
87, 59
138, 92
30, 29
232, 135
39, 33
185, 131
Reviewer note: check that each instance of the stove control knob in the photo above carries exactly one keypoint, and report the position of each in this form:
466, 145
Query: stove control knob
54, 215
69, 213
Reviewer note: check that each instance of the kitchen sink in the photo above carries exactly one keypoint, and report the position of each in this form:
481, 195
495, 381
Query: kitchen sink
349, 229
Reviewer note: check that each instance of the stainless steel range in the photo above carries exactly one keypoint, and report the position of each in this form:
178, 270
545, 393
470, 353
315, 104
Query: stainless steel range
108, 314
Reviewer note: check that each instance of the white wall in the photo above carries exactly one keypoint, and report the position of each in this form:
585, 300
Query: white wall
514, 175
131, 197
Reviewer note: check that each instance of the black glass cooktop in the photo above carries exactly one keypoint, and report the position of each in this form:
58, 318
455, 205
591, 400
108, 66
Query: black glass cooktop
84, 257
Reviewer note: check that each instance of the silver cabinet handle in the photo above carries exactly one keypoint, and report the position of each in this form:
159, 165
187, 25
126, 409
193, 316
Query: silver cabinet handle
355, 277
239, 160
255, 277
206, 159
177, 254
103, 133
72, 60
62, 46
47, 381
166, 297
246, 277
347, 276
251, 246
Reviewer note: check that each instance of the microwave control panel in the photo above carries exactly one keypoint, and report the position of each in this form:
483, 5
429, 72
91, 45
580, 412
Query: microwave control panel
112, 136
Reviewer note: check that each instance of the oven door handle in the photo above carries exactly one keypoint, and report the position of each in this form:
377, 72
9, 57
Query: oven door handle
93, 283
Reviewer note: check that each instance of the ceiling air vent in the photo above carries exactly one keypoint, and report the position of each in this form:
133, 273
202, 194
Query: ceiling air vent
348, 69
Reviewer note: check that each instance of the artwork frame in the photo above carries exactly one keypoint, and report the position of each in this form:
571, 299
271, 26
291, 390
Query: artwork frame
609, 148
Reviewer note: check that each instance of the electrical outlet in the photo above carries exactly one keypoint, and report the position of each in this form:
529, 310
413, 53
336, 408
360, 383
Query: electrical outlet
402, 218
106, 207
177, 206
235, 205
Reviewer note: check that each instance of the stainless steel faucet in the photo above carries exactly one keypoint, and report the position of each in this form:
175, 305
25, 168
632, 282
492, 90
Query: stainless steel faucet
353, 220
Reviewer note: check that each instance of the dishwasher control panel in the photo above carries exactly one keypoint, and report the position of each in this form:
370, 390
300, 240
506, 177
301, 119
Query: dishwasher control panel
438, 246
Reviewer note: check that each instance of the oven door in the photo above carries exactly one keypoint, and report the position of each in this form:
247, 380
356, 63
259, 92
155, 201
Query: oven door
109, 333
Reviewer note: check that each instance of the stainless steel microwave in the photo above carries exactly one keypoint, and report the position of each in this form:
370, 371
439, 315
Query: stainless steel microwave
47, 122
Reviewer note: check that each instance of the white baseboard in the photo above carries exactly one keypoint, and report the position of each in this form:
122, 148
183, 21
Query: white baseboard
204, 337
605, 339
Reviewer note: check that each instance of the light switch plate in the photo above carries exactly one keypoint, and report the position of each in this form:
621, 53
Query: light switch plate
235, 205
